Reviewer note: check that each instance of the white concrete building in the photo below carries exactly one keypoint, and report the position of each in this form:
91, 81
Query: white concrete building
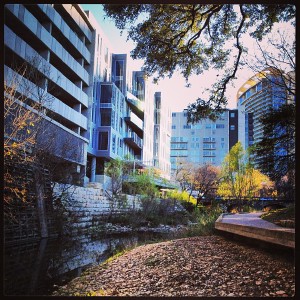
206, 142
55, 40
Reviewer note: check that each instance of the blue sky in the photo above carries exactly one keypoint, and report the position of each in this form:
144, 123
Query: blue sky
173, 90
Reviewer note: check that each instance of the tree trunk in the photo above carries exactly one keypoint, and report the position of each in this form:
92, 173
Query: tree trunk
40, 195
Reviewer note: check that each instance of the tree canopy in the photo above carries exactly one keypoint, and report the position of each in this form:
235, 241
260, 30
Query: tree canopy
276, 151
238, 176
193, 38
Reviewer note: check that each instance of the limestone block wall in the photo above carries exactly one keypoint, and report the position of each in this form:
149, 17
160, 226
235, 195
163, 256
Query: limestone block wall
85, 207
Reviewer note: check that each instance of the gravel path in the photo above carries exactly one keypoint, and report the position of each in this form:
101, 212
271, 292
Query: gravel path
197, 266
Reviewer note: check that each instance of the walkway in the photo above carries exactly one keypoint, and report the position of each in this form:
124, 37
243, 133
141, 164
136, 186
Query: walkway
252, 226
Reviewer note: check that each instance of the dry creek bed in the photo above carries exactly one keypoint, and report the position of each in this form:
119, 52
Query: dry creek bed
197, 266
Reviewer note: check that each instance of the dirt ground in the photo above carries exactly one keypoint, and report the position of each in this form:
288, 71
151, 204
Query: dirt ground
198, 266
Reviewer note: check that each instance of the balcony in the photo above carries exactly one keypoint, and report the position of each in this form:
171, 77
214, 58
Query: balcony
134, 141
135, 123
135, 104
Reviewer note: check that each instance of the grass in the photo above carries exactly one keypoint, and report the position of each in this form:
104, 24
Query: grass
205, 219
284, 217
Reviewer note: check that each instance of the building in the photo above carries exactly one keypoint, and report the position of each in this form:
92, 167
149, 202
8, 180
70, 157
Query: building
96, 105
205, 142
122, 111
162, 136
54, 42
260, 93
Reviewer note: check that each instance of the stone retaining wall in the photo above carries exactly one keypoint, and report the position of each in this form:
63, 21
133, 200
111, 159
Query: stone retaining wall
85, 207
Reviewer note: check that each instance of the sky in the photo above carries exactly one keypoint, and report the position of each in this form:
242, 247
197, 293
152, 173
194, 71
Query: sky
173, 90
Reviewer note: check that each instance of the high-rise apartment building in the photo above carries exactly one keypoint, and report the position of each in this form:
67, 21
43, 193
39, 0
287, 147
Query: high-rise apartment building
205, 142
54, 42
122, 110
96, 104
162, 135
260, 93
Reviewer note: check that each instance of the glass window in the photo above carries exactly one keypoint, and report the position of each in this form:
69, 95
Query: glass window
114, 144
103, 140
105, 117
106, 93
259, 87
119, 68
232, 127
173, 126
220, 126
232, 114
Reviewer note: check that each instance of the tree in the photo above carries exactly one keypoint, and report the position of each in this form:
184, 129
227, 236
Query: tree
277, 53
275, 153
238, 177
31, 144
22, 126
144, 185
18, 134
206, 180
196, 37
114, 169
184, 175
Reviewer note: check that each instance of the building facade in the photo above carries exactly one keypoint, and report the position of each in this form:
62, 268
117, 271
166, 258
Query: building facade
53, 41
97, 106
122, 111
162, 136
205, 142
260, 93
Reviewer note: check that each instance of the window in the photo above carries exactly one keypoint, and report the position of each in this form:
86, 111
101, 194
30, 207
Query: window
220, 126
232, 127
259, 87
106, 93
186, 126
173, 126
208, 126
119, 68
103, 140
114, 144
105, 117
232, 114
173, 114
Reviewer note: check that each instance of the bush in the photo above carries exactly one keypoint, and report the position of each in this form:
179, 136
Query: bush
189, 206
205, 218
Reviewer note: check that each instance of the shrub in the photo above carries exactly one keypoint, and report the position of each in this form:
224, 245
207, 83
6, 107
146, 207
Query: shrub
205, 218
